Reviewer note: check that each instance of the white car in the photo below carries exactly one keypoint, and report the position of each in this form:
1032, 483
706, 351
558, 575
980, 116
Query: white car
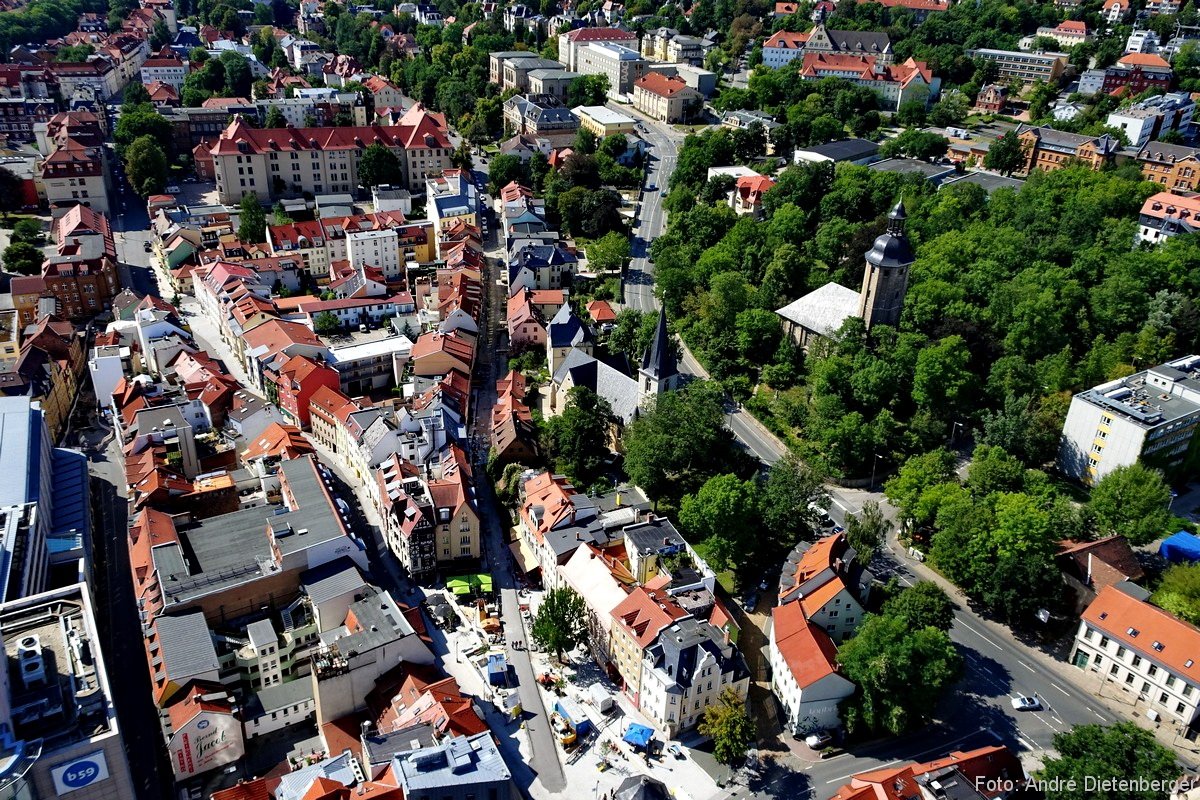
1026, 703
818, 740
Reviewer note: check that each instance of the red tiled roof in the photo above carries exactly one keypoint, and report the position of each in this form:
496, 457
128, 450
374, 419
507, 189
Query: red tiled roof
1140, 626
807, 650
644, 613
786, 39
278, 440
419, 130
600, 311
661, 85
1143, 60
600, 35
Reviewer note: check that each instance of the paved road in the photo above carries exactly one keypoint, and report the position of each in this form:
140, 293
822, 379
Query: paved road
664, 142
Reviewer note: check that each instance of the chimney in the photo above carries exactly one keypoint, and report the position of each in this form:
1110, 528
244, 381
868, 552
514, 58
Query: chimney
1088, 581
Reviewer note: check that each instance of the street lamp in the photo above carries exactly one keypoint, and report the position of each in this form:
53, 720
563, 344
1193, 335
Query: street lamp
874, 464
954, 432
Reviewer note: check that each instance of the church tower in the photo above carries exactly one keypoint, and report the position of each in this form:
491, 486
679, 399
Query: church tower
659, 371
886, 278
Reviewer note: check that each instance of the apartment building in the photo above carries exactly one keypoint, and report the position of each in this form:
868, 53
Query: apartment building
555, 82
74, 174
621, 65
1145, 120
1150, 415
1174, 166
636, 623
570, 43
785, 47
538, 115
277, 162
804, 672
685, 671
1137, 72
165, 67
1143, 651
1025, 67
893, 84
1164, 215
665, 99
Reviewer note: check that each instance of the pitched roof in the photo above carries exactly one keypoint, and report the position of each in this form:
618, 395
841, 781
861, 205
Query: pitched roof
806, 649
1147, 629
278, 440
645, 613
600, 35
1143, 60
822, 310
661, 85
419, 130
659, 361
600, 311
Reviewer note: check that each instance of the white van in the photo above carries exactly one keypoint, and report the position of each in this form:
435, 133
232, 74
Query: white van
822, 515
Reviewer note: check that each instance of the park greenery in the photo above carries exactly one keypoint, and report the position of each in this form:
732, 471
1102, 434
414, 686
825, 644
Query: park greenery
1094, 762
996, 533
1015, 301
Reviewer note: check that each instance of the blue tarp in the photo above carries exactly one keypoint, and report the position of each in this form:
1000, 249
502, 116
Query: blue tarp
638, 735
1182, 546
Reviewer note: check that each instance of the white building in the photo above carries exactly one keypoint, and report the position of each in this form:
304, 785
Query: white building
804, 672
377, 248
1149, 119
1152, 413
685, 672
1142, 42
621, 65
1149, 655
1164, 215
170, 70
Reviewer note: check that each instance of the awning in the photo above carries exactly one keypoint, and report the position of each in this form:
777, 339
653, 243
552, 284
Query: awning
523, 556
638, 735
459, 586
484, 582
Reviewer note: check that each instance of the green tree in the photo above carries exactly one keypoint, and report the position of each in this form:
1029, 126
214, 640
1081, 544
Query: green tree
134, 123
146, 166
867, 530
914, 143
1179, 592
577, 439
1006, 155
504, 169
561, 621
942, 377
724, 515
275, 118
730, 727
27, 230
252, 222
923, 604
680, 442
326, 323
608, 253
587, 90
791, 490
1089, 757
379, 166
23, 259
632, 333
1132, 501
135, 94
917, 475
900, 672
993, 470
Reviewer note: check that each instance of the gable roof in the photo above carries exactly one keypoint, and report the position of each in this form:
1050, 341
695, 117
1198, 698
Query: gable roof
807, 650
1148, 629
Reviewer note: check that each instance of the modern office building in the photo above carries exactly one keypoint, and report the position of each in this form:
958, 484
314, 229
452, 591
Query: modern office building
1150, 415
59, 734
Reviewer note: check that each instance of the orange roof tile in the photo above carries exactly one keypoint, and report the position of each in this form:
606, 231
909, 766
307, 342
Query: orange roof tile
807, 650
1147, 629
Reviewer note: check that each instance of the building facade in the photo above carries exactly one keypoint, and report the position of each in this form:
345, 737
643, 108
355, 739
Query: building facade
1150, 415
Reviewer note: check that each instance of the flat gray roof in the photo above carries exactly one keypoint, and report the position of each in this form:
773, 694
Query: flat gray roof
20, 451
185, 646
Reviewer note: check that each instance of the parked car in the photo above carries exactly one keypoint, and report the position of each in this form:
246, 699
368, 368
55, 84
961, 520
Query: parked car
750, 601
818, 739
173, 189
1024, 703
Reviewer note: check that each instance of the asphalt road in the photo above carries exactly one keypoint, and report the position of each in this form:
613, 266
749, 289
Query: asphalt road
639, 276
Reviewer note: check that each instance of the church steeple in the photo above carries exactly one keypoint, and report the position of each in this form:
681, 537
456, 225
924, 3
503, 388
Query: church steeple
660, 370
885, 281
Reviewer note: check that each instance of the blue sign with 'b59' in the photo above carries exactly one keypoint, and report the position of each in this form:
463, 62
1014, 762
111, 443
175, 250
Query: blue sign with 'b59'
79, 773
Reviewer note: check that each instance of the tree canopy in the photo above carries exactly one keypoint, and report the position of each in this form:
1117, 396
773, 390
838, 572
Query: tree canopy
379, 166
252, 223
923, 604
900, 672
1132, 501
146, 166
577, 439
730, 726
1109, 757
561, 621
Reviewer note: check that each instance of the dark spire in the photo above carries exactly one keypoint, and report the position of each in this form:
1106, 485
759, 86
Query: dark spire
659, 361
896, 219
